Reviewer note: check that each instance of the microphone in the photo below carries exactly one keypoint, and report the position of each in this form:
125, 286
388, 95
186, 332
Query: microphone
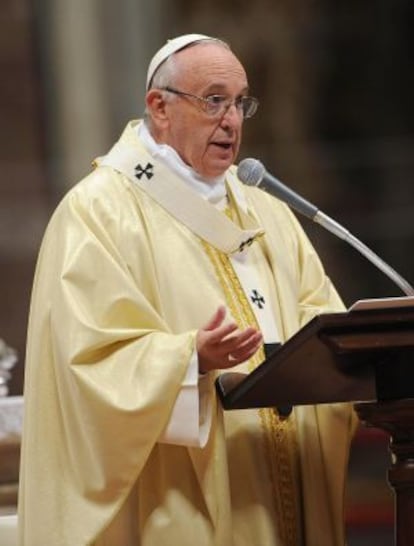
252, 172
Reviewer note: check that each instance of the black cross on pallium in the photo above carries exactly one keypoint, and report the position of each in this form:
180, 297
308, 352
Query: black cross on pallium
147, 170
257, 299
245, 244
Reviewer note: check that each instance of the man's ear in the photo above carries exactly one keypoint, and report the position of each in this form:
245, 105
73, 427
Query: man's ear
156, 106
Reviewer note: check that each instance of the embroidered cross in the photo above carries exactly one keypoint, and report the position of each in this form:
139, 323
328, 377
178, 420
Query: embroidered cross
147, 170
245, 244
257, 299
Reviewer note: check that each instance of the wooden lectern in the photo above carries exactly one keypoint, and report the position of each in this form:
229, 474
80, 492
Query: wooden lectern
365, 356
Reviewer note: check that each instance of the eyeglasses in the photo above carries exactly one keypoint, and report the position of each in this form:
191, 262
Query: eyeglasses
217, 105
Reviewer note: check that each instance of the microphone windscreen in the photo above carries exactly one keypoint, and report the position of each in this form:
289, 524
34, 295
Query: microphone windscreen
250, 171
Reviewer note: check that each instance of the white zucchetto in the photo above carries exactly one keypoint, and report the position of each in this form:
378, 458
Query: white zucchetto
171, 47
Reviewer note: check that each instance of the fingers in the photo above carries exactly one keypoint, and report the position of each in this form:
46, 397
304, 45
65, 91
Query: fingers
230, 344
245, 351
219, 334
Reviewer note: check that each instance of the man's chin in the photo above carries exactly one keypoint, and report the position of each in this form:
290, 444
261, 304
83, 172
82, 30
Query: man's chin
215, 165
219, 169
221, 164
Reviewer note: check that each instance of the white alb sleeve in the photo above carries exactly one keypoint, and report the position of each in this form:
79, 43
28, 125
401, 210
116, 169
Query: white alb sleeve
190, 420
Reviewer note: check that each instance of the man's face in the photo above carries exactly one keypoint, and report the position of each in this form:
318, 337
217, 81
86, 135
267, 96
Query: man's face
208, 144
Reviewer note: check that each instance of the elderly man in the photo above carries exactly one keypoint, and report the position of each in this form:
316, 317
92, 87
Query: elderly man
156, 271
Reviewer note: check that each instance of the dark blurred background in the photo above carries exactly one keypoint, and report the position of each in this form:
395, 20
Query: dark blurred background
336, 87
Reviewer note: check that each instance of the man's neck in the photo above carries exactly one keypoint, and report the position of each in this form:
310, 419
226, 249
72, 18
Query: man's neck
213, 190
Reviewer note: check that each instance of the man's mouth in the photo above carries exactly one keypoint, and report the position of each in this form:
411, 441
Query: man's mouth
223, 145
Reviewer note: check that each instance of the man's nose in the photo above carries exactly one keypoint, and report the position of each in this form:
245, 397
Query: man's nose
233, 116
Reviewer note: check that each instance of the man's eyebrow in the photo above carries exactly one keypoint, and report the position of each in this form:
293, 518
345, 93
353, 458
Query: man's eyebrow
220, 89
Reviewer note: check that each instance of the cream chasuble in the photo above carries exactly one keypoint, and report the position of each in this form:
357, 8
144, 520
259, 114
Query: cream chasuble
121, 288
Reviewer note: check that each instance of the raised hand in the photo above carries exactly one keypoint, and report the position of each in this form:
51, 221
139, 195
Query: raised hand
221, 346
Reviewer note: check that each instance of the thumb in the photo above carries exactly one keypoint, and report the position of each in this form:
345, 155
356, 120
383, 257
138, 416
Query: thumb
216, 320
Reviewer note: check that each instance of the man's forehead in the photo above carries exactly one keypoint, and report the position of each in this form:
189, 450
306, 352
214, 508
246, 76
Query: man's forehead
210, 65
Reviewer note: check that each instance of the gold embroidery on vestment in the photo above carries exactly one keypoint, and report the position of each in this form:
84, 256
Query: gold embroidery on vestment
280, 441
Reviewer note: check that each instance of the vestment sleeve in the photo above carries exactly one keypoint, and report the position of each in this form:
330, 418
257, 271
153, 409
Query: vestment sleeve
100, 355
317, 294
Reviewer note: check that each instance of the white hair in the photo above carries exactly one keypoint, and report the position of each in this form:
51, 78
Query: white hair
165, 74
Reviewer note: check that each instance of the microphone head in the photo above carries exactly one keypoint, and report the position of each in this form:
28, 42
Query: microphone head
250, 171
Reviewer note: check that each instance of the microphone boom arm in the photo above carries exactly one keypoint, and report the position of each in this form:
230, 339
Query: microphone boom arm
334, 227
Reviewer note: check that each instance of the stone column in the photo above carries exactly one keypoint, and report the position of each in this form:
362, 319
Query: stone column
96, 57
